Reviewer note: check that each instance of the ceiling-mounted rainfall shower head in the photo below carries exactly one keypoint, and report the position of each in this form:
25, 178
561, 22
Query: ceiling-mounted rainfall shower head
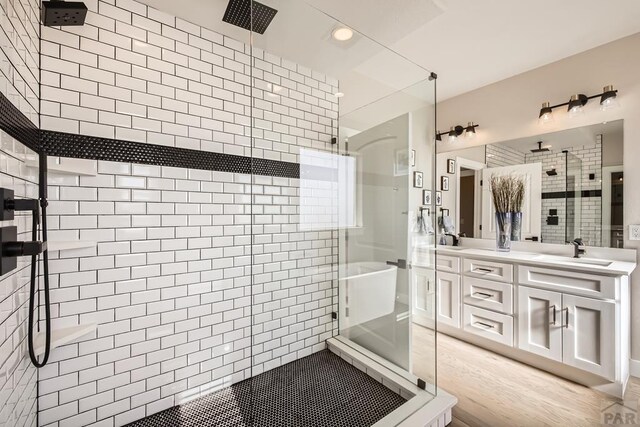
540, 149
250, 15
63, 13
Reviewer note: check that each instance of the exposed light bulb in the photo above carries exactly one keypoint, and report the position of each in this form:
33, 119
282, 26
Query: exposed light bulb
575, 105
546, 113
453, 136
470, 131
575, 111
609, 98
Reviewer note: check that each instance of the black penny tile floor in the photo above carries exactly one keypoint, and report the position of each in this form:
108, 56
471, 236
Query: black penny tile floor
316, 391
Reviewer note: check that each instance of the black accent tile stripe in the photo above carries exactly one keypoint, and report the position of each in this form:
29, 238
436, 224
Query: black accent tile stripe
62, 144
571, 194
320, 390
15, 123
96, 148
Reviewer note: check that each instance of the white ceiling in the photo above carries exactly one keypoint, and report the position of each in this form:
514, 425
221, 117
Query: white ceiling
468, 43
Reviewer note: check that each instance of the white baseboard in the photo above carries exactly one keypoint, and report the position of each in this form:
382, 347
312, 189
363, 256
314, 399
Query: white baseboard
634, 368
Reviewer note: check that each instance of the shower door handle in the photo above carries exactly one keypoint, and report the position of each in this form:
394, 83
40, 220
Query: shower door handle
401, 263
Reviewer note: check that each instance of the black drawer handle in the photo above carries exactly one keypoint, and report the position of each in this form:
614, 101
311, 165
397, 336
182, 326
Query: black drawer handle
484, 270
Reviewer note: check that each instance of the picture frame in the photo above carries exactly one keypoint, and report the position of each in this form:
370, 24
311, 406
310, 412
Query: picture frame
417, 179
427, 197
451, 166
438, 198
412, 158
444, 183
402, 162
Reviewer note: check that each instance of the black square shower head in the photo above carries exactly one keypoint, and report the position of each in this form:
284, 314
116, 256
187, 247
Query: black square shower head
249, 15
62, 13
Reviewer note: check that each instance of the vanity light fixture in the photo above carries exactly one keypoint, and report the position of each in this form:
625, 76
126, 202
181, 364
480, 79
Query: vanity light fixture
578, 101
455, 131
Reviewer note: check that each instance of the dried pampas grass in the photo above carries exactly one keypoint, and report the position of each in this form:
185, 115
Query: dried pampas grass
508, 193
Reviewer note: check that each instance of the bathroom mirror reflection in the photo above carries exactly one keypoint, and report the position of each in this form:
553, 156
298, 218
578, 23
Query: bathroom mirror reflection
573, 185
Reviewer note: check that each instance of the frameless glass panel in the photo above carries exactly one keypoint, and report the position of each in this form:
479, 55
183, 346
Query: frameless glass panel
343, 144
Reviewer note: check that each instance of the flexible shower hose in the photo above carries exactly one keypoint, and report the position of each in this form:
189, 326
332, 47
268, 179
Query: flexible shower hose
45, 266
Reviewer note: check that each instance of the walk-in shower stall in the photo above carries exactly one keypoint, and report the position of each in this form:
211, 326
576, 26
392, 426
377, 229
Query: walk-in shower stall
253, 229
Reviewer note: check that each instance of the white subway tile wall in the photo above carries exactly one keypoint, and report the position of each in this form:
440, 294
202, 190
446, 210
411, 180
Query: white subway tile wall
590, 208
170, 284
134, 73
18, 376
500, 155
19, 83
19, 39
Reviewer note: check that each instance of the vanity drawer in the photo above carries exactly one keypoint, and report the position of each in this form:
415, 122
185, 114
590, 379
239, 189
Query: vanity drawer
488, 294
571, 282
449, 264
494, 326
489, 270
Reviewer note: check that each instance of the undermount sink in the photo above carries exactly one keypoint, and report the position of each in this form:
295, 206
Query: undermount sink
583, 261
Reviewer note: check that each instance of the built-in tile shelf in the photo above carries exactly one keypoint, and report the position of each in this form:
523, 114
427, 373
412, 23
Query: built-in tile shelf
62, 336
67, 166
65, 245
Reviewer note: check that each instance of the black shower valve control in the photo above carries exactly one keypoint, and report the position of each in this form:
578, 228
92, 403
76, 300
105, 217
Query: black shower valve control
10, 205
11, 249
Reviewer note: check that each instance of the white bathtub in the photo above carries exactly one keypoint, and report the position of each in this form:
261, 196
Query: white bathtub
367, 290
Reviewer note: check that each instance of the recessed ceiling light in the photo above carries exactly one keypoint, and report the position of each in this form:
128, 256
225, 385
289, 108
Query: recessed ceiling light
339, 94
342, 34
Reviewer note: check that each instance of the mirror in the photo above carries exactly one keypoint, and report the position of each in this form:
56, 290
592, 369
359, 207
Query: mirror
574, 185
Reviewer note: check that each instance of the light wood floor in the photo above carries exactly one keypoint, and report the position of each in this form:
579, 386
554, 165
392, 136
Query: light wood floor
495, 391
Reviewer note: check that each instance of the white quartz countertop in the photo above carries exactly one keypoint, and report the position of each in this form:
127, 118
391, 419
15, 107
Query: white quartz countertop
602, 266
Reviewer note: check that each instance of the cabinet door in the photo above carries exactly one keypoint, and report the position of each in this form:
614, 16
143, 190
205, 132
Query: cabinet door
448, 297
539, 322
589, 335
424, 296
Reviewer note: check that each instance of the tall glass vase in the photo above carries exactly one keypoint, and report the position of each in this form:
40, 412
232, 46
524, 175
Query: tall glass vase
516, 226
503, 231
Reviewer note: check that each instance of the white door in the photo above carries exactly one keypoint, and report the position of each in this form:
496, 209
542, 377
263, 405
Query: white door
424, 288
540, 322
448, 298
532, 207
589, 335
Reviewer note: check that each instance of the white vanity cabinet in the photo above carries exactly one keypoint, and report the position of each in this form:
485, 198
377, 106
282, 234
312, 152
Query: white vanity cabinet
448, 299
571, 329
569, 320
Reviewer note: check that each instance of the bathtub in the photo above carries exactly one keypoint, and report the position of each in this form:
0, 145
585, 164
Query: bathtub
367, 290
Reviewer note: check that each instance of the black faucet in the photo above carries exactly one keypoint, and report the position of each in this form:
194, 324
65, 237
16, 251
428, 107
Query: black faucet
454, 238
578, 248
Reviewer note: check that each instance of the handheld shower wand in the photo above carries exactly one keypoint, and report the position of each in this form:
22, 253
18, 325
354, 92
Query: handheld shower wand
11, 248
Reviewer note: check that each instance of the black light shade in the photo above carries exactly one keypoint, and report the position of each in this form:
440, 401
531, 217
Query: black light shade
470, 130
546, 109
577, 101
552, 172
608, 94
